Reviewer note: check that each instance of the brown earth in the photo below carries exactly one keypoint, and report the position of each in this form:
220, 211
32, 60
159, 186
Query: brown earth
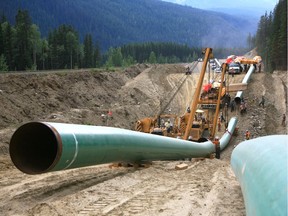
207, 187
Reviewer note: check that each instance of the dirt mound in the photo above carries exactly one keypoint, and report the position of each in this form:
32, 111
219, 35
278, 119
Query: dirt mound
207, 187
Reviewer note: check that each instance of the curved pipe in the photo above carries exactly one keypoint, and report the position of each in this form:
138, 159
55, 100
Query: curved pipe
246, 79
260, 166
40, 147
225, 139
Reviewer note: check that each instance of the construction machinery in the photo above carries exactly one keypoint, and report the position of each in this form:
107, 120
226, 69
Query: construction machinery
199, 121
236, 63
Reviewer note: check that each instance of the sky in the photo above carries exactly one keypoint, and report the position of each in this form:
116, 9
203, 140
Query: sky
259, 6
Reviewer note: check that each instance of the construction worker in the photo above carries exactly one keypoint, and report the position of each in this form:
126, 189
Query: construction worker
104, 118
219, 124
222, 117
216, 142
262, 102
188, 71
167, 126
247, 135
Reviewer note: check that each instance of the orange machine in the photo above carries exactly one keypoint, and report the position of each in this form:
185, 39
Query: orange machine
194, 122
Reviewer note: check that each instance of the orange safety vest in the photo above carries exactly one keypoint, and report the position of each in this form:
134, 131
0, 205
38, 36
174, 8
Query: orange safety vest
247, 135
216, 142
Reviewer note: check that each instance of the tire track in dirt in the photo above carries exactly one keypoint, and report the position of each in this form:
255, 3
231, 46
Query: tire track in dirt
159, 188
43, 188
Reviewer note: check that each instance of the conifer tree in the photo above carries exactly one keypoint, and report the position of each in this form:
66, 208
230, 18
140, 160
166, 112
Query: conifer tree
23, 45
88, 51
71, 45
152, 58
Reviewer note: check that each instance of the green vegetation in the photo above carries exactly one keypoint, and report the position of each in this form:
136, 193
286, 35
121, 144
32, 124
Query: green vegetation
119, 22
24, 49
3, 65
271, 38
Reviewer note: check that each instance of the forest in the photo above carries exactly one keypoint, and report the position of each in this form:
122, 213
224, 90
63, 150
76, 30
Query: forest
271, 38
23, 47
120, 22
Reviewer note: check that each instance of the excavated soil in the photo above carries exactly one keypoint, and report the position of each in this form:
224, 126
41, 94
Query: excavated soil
206, 187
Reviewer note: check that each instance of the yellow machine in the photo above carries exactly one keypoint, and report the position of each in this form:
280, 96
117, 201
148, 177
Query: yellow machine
195, 122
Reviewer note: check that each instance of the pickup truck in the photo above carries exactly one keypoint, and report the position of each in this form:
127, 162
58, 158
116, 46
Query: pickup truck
235, 68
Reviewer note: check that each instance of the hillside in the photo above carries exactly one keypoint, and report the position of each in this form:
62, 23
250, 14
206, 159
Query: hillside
114, 23
207, 187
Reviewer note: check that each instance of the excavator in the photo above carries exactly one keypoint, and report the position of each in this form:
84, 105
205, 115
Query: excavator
199, 122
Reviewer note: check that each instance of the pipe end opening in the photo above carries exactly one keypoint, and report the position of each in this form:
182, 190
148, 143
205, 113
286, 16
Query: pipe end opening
34, 147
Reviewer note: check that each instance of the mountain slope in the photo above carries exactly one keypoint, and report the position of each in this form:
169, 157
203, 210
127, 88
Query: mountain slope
119, 22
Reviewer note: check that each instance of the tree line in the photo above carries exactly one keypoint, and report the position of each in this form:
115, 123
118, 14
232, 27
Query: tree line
23, 48
271, 38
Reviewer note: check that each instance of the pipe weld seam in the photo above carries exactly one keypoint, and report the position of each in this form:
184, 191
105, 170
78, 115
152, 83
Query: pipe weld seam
228, 132
76, 152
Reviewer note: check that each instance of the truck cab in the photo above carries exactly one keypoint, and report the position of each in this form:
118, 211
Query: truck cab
235, 68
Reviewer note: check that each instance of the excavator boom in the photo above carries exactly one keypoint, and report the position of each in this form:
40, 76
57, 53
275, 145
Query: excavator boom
208, 54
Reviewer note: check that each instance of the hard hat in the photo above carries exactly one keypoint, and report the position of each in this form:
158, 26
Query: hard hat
190, 137
216, 138
246, 130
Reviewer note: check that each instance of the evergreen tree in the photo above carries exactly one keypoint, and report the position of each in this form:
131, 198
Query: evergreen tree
44, 52
152, 58
8, 37
117, 57
271, 38
88, 51
250, 41
23, 45
80, 56
114, 57
97, 56
62, 48
279, 36
72, 44
1, 40
35, 40
3, 65
128, 61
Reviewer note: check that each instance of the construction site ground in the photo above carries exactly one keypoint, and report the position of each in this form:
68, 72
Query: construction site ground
207, 187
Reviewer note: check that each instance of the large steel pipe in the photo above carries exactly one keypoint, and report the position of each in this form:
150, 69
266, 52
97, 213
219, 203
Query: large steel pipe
260, 166
39, 147
245, 80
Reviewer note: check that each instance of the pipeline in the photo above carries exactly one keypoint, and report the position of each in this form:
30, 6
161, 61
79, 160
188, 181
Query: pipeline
260, 166
40, 147
225, 139
239, 94
217, 62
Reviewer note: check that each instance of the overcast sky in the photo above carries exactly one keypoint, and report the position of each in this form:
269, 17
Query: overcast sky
260, 5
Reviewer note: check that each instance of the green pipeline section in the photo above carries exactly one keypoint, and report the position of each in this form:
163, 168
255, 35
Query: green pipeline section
239, 94
39, 147
261, 167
